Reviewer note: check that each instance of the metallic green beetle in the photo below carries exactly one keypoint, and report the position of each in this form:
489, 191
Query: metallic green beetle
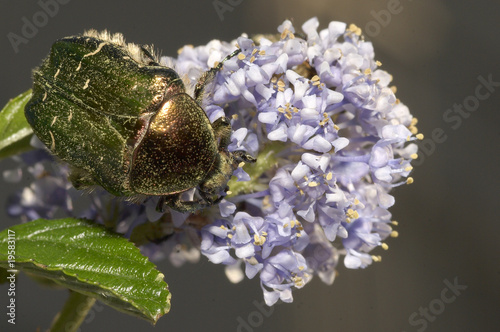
124, 122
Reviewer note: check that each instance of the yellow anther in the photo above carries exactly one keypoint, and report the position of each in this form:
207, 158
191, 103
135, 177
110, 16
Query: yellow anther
354, 29
298, 281
265, 202
352, 214
259, 240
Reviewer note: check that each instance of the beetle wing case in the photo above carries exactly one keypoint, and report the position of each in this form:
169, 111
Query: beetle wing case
87, 98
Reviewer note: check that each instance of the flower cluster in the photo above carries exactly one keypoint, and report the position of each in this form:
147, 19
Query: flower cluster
330, 138
319, 113
50, 193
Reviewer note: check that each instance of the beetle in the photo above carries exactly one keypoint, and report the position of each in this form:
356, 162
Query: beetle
124, 122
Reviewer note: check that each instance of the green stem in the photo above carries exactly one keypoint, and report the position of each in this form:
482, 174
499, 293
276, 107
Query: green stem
72, 314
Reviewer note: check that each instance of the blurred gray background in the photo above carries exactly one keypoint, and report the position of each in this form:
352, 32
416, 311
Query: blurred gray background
449, 230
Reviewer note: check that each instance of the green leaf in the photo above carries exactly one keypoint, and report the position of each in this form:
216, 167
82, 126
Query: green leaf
15, 131
89, 259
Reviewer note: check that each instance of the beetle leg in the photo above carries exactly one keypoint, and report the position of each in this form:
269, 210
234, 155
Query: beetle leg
160, 206
222, 130
80, 178
208, 77
175, 202
148, 54
209, 200
240, 156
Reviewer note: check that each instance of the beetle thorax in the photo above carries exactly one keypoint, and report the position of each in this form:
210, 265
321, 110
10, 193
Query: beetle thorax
177, 150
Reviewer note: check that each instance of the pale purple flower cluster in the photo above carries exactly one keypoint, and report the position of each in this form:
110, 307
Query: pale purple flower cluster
341, 143
50, 194
330, 139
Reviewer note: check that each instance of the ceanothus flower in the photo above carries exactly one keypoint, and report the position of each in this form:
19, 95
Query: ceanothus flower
331, 140
320, 114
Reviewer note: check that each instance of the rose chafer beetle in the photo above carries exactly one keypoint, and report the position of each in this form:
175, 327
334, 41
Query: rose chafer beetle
124, 122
